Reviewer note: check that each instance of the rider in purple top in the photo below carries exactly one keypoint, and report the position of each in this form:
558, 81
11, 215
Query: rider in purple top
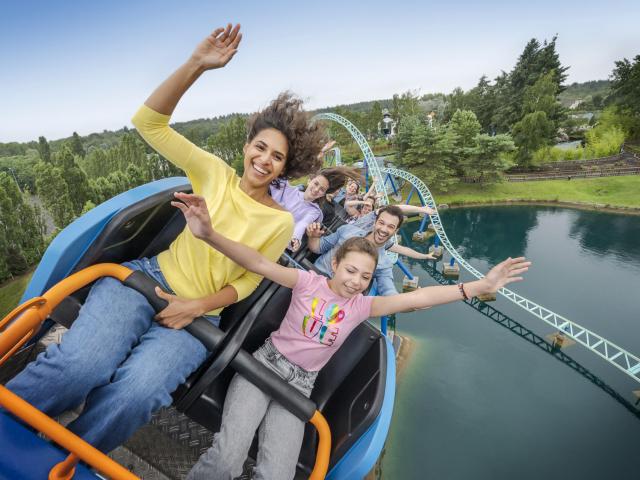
305, 205
304, 211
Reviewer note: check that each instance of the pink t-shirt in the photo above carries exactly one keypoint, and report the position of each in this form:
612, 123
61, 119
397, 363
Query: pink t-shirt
318, 321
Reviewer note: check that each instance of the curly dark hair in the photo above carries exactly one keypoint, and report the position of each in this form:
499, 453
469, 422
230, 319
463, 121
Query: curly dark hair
304, 138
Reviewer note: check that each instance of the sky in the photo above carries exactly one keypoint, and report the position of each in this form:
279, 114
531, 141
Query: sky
70, 66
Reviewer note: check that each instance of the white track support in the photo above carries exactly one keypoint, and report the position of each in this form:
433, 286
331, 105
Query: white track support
612, 353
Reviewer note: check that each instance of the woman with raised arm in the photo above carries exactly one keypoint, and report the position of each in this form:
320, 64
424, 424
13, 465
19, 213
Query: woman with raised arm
322, 314
115, 358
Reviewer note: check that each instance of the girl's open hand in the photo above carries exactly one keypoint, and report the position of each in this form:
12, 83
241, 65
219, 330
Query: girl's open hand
194, 208
505, 272
218, 49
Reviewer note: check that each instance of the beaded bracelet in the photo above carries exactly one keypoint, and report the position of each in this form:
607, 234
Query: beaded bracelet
461, 288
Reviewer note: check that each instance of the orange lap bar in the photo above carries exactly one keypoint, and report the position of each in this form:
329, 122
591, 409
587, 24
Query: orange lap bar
35, 311
20, 325
324, 447
25, 320
62, 436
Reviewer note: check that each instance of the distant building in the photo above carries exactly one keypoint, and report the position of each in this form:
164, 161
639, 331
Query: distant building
575, 104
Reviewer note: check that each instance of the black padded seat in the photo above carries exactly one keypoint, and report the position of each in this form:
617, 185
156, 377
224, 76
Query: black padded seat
349, 389
144, 229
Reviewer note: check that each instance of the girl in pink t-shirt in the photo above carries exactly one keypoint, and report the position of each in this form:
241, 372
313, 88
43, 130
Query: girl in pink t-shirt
322, 314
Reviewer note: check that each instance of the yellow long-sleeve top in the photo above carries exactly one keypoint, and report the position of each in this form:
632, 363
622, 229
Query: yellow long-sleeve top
191, 267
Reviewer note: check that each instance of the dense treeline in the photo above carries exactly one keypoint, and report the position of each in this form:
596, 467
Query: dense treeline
515, 119
22, 230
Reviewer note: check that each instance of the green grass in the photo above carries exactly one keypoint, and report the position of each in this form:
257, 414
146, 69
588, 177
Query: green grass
614, 192
11, 292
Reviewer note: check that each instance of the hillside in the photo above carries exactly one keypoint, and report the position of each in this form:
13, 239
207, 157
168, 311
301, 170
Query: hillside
199, 130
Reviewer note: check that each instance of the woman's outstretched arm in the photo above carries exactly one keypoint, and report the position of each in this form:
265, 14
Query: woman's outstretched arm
213, 52
194, 208
152, 119
502, 274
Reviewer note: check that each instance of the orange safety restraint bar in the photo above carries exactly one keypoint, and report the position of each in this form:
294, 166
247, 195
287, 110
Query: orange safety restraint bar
17, 331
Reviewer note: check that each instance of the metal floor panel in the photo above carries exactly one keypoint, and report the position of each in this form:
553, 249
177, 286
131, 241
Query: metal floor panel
164, 449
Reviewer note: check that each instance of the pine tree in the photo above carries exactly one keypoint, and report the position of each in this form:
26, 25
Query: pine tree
76, 145
54, 193
44, 150
77, 183
530, 134
463, 130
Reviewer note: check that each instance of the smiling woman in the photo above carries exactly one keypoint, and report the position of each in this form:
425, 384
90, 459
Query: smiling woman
127, 362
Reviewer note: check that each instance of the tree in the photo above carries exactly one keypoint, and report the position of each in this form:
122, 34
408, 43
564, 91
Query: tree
75, 178
20, 228
596, 100
229, 140
134, 176
530, 134
374, 117
405, 105
535, 61
430, 150
625, 92
54, 193
492, 158
76, 145
44, 150
463, 130
88, 206
457, 100
482, 100
402, 140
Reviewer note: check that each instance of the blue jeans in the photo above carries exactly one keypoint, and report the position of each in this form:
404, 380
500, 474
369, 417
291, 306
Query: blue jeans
116, 359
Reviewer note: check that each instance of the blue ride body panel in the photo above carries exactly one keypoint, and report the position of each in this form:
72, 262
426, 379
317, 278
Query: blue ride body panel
362, 456
26, 456
71, 243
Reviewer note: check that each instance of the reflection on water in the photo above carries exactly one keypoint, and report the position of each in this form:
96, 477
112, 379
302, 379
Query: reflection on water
601, 233
486, 232
478, 402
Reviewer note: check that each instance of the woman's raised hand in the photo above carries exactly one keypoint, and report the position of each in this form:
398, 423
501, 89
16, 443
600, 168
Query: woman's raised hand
504, 273
217, 49
194, 208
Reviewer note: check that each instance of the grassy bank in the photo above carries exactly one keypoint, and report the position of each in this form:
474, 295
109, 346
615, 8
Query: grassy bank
10, 293
609, 192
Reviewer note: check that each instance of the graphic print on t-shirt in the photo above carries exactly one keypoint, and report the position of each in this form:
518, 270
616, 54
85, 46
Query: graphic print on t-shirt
322, 322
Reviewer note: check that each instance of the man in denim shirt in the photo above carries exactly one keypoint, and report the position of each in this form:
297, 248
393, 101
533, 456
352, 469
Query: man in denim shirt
388, 221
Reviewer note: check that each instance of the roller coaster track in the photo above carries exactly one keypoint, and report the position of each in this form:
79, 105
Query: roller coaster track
612, 353
609, 351
526, 334
370, 160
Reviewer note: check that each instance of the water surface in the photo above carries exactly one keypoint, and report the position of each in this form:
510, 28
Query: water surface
478, 401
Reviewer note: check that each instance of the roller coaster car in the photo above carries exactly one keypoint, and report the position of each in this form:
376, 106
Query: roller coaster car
354, 391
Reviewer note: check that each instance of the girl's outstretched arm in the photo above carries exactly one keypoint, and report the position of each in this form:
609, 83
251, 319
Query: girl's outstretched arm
502, 274
196, 212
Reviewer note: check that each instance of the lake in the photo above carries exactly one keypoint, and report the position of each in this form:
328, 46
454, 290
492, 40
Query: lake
477, 401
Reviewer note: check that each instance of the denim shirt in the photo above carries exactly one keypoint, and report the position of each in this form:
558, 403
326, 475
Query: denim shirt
384, 271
